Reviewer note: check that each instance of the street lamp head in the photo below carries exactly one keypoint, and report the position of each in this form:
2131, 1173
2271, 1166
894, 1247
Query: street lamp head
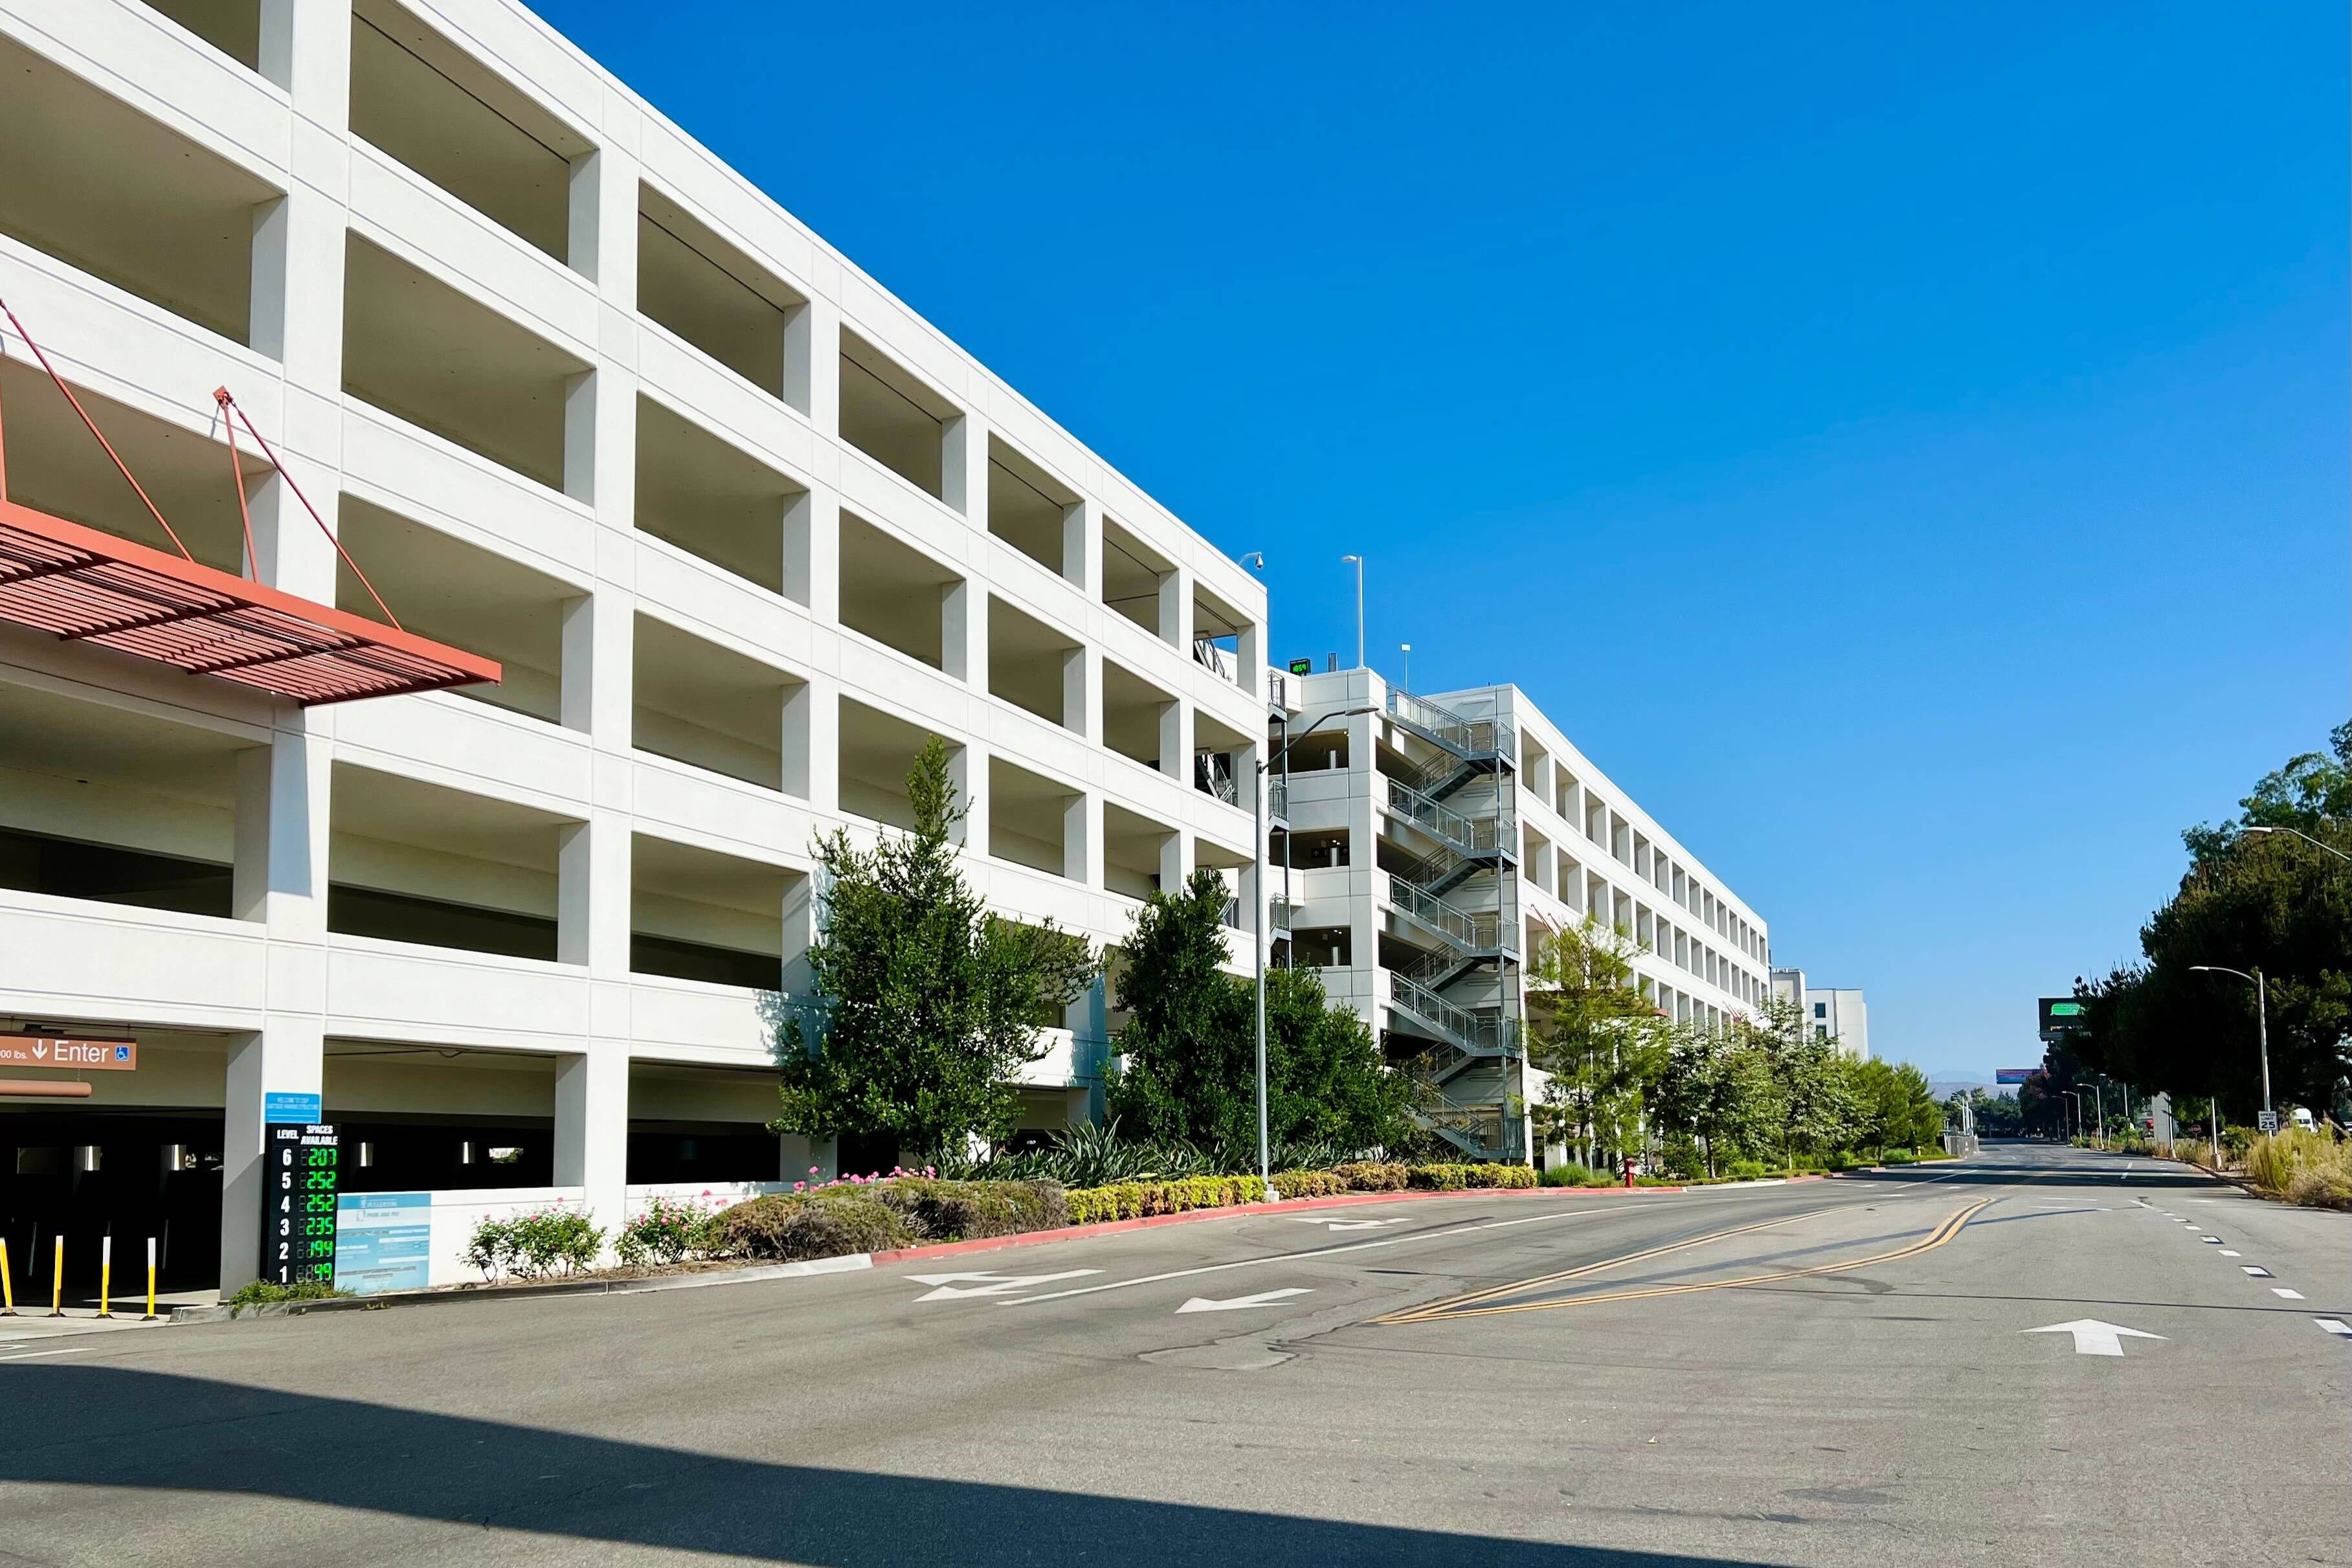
1255, 559
2254, 832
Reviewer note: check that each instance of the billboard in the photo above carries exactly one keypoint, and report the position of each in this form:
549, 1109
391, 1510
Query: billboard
2060, 1014
2014, 1075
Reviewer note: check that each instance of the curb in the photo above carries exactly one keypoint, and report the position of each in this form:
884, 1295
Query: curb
849, 1263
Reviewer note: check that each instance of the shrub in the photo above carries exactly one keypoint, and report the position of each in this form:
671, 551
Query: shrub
2307, 1167
1745, 1170
1575, 1175
1898, 1157
833, 1222
1454, 1178
967, 1211
1138, 1200
1308, 1183
2322, 1187
540, 1245
1372, 1176
258, 1292
666, 1232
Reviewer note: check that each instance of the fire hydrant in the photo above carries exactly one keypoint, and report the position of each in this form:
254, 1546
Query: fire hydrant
1629, 1170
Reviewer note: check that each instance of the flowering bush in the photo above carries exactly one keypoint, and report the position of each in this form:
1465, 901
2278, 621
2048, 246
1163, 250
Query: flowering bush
540, 1245
666, 1231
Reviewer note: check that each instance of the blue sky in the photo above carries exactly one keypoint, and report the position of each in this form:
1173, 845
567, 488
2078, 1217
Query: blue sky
1905, 447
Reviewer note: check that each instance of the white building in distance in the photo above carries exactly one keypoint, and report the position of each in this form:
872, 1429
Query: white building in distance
1424, 846
1831, 1014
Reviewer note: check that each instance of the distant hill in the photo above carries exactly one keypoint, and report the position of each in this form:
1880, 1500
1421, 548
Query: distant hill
1943, 1086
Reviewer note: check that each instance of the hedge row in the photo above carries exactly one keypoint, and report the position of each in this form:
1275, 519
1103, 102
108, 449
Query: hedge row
1457, 1178
1135, 1200
830, 1222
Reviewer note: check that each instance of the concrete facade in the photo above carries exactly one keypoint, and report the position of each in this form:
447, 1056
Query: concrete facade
1828, 1014
743, 528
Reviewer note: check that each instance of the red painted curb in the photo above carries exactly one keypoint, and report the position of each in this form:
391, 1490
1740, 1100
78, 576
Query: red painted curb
1293, 1205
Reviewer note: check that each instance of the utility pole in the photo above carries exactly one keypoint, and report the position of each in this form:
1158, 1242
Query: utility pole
1359, 561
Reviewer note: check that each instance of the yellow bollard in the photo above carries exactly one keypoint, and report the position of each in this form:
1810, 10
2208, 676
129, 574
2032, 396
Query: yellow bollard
105, 1276
58, 1281
7, 1285
151, 1277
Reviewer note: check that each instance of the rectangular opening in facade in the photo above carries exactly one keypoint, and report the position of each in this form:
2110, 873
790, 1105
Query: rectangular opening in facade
416, 862
1028, 508
717, 297
231, 27
1131, 577
1233, 865
1033, 666
1135, 715
55, 467
116, 806
1029, 819
707, 706
420, 1118
476, 599
894, 593
1217, 636
1310, 848
1323, 947
96, 184
877, 751
711, 499
1222, 761
419, 349
893, 417
1137, 851
703, 1126
697, 914
424, 101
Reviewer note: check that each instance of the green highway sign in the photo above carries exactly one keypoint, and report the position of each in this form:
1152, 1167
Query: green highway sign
2059, 1014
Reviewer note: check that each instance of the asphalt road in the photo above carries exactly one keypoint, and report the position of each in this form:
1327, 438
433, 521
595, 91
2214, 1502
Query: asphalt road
1828, 1373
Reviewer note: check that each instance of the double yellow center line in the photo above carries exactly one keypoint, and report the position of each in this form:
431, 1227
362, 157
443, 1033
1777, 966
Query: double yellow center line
1485, 1303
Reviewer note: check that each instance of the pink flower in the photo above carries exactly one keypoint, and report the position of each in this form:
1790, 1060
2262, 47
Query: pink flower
799, 1187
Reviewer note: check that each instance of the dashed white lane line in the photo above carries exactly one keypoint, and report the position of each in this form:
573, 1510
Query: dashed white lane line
2227, 1252
2335, 1326
2211, 1240
2282, 1290
2256, 1271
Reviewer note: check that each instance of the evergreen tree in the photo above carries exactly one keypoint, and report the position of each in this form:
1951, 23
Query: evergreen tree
1599, 1039
933, 1004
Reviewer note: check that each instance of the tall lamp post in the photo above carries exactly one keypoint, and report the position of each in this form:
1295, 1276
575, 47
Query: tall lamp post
2262, 1025
2294, 833
1264, 777
1359, 562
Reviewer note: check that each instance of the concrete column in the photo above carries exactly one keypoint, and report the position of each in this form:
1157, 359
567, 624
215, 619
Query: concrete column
810, 1160
599, 652
812, 742
1082, 548
1175, 861
288, 1056
1251, 660
816, 331
1176, 608
1082, 839
963, 470
592, 894
968, 767
1081, 683
284, 796
1176, 741
963, 632
591, 1131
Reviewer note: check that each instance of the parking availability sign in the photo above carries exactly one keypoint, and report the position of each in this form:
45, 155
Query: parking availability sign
298, 1203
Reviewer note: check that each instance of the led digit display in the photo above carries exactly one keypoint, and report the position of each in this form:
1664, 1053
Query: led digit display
299, 1165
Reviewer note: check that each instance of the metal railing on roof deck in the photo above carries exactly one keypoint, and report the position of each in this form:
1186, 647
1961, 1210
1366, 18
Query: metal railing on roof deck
1468, 737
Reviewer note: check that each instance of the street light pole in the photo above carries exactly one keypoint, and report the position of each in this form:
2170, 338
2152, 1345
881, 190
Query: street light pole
2099, 1138
1406, 649
1359, 561
2294, 833
2262, 1018
1265, 778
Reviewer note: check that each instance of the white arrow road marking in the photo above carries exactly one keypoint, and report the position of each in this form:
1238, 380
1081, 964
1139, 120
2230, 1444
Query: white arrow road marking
1342, 1223
2257, 1273
2335, 1326
2093, 1337
2282, 1291
1237, 1303
952, 1286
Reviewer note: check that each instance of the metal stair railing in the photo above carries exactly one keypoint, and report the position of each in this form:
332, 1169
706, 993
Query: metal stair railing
1468, 836
1478, 1034
1466, 738
1464, 928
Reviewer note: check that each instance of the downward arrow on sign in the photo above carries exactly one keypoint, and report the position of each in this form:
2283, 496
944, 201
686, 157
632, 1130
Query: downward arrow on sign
2093, 1337
1263, 1299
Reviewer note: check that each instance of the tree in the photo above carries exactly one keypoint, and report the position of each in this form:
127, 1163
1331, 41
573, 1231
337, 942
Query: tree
1190, 1044
1894, 1108
1811, 1081
933, 1004
1710, 1089
2267, 901
1598, 1037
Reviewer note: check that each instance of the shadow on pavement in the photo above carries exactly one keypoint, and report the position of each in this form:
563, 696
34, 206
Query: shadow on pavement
114, 1427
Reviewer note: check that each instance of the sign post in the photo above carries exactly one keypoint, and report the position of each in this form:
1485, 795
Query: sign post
302, 1161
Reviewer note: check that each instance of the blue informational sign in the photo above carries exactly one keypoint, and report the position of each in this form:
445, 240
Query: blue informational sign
383, 1241
292, 1107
